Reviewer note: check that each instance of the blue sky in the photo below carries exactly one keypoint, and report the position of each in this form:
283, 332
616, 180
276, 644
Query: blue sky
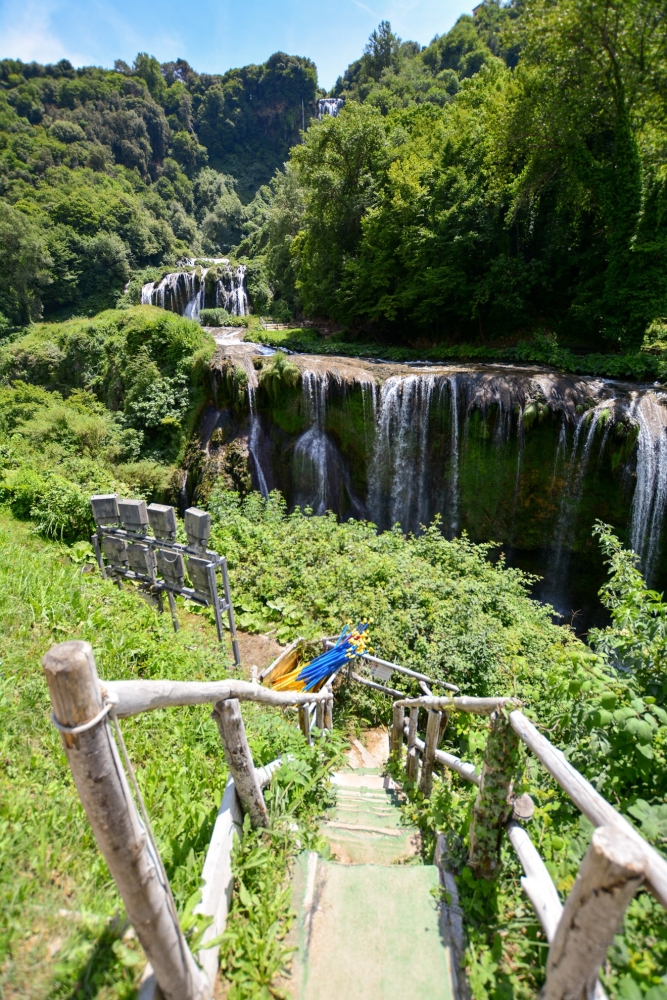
213, 36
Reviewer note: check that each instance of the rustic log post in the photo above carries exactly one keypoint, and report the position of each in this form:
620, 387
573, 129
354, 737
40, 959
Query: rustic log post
412, 765
430, 746
492, 808
304, 722
412, 730
227, 714
76, 699
328, 713
397, 734
320, 713
610, 874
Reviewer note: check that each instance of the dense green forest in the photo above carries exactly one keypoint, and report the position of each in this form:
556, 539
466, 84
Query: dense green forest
511, 176
106, 173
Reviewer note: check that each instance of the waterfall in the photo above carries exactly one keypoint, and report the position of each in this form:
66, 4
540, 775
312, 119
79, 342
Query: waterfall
329, 106
313, 452
454, 458
649, 410
230, 291
182, 292
253, 442
400, 470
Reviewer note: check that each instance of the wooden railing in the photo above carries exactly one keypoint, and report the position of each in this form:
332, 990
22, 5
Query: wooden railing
617, 862
86, 710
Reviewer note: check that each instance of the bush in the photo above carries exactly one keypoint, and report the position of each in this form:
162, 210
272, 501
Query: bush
220, 317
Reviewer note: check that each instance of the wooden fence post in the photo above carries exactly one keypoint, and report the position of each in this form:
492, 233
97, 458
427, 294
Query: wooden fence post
412, 765
328, 713
428, 758
227, 714
100, 780
304, 722
492, 808
610, 874
320, 715
397, 734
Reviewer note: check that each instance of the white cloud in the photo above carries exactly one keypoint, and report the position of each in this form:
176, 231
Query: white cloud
28, 33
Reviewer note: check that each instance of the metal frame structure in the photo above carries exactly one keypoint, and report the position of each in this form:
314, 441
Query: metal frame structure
155, 552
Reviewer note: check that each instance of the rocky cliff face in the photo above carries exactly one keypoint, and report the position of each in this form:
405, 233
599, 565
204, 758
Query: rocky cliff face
524, 457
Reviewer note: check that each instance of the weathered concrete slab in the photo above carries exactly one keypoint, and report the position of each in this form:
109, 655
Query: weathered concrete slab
373, 934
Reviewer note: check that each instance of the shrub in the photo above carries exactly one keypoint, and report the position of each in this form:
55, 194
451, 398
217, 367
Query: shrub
220, 317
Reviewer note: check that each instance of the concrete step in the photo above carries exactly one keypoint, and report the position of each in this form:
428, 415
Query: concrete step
369, 932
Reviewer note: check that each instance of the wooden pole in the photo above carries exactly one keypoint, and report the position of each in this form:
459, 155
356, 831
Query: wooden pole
610, 874
132, 697
430, 747
412, 765
462, 768
412, 727
396, 752
591, 803
227, 714
328, 713
320, 712
478, 706
304, 722
492, 808
92, 755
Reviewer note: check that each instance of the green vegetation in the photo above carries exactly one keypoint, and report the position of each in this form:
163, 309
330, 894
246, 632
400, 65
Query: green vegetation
509, 177
62, 928
612, 725
97, 405
108, 173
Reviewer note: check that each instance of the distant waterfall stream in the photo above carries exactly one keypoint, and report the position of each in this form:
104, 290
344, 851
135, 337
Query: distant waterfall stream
188, 292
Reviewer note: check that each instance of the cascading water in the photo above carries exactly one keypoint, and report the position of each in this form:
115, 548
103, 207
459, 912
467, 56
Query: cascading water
230, 291
528, 459
253, 442
648, 504
182, 292
329, 106
313, 451
400, 469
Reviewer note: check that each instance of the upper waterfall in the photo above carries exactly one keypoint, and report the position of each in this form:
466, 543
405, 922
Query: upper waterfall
329, 106
188, 292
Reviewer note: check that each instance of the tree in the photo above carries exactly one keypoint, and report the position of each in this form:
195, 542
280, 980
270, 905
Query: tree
382, 50
25, 270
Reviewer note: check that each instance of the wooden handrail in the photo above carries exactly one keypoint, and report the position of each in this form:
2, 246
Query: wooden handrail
477, 706
594, 807
134, 697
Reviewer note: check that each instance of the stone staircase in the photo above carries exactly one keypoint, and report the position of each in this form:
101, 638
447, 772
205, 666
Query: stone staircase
370, 923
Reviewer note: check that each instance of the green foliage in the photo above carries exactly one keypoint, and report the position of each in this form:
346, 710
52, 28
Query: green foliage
253, 950
436, 605
104, 173
220, 317
499, 181
50, 862
129, 386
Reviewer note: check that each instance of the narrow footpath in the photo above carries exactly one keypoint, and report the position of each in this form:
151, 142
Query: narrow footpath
370, 923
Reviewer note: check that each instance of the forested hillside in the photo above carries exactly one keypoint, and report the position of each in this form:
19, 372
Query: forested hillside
509, 177
506, 179
103, 173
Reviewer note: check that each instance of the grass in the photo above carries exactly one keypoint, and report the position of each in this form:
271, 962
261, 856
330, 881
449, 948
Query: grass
62, 927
